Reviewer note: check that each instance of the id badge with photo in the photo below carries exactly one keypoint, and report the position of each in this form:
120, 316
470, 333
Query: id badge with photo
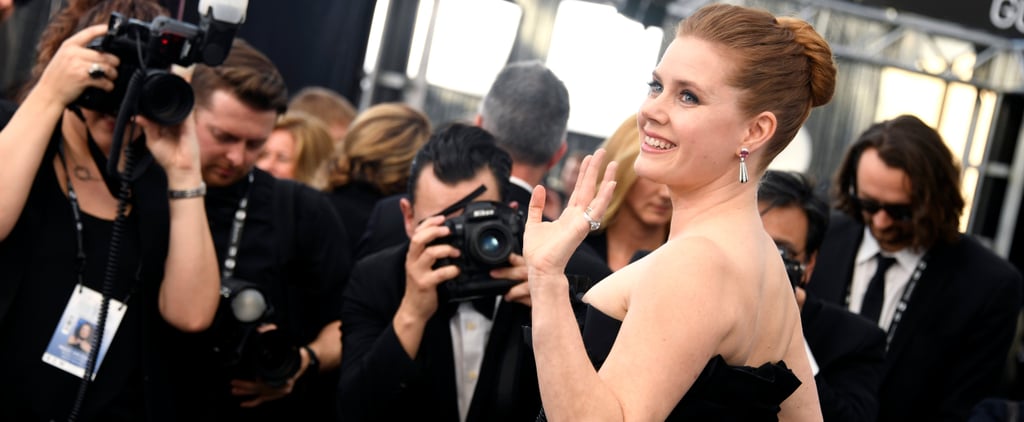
74, 337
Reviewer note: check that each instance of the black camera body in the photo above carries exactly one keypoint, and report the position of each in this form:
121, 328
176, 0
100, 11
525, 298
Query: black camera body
794, 270
487, 233
243, 351
151, 48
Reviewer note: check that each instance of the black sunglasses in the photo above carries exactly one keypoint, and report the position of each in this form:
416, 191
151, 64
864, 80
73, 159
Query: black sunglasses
900, 212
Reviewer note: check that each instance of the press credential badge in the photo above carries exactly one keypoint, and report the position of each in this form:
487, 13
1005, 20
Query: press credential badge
72, 340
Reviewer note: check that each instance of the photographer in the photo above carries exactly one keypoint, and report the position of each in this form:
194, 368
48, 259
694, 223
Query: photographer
274, 237
66, 242
410, 352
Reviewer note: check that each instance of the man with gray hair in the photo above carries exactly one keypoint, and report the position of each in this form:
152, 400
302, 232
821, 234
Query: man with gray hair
527, 110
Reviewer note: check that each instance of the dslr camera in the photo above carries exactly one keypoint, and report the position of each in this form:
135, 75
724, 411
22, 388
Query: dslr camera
486, 233
150, 48
243, 351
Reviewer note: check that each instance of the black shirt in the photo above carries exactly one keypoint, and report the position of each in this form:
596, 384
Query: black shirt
39, 270
300, 263
354, 202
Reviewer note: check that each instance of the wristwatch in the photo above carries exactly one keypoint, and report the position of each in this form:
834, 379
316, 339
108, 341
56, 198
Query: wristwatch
314, 362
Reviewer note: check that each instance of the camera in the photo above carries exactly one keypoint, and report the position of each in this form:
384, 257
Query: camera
794, 269
245, 352
486, 233
150, 48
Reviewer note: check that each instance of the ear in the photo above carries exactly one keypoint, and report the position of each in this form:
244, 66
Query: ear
558, 155
478, 120
408, 219
809, 268
760, 131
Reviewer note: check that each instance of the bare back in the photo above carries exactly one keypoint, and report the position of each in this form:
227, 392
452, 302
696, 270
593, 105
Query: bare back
719, 289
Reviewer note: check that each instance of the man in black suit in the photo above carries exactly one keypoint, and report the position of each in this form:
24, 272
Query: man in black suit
410, 352
895, 255
527, 111
847, 352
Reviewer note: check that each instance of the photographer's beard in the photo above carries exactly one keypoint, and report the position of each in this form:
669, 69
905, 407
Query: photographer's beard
892, 238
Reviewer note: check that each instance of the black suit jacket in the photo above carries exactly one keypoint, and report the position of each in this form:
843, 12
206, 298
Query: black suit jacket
380, 382
850, 353
385, 228
949, 350
353, 202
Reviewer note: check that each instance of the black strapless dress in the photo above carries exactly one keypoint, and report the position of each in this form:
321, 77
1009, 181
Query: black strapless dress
721, 392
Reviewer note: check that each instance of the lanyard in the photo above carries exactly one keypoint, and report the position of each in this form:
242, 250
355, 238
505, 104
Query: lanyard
901, 307
76, 211
236, 233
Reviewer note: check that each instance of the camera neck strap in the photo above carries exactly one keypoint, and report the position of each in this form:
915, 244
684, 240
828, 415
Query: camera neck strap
460, 204
231, 257
76, 211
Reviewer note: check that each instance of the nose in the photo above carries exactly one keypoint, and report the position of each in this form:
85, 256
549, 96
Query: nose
235, 153
881, 219
652, 109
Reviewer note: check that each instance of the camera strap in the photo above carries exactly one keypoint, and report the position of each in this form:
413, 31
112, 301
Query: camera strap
76, 211
231, 257
460, 204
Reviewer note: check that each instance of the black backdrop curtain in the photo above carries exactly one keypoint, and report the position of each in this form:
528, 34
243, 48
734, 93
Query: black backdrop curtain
312, 42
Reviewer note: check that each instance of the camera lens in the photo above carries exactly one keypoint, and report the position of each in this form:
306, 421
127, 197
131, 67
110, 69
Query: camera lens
276, 357
491, 245
166, 98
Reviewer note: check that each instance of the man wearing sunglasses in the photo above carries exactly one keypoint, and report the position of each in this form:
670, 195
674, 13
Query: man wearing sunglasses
848, 351
894, 254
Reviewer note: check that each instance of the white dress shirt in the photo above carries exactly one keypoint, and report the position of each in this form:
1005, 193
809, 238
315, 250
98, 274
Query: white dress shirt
470, 330
896, 278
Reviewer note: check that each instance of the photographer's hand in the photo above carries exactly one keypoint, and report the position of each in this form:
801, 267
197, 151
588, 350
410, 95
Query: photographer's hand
190, 292
518, 271
421, 280
261, 392
69, 71
176, 148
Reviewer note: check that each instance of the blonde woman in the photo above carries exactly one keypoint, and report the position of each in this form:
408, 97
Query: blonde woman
374, 161
299, 148
639, 213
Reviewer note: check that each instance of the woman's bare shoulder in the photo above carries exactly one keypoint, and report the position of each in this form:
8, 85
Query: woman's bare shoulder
678, 266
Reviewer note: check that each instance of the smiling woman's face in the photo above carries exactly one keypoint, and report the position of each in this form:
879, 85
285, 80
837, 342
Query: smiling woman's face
690, 122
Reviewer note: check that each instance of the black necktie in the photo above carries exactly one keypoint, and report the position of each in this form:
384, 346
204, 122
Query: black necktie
875, 295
